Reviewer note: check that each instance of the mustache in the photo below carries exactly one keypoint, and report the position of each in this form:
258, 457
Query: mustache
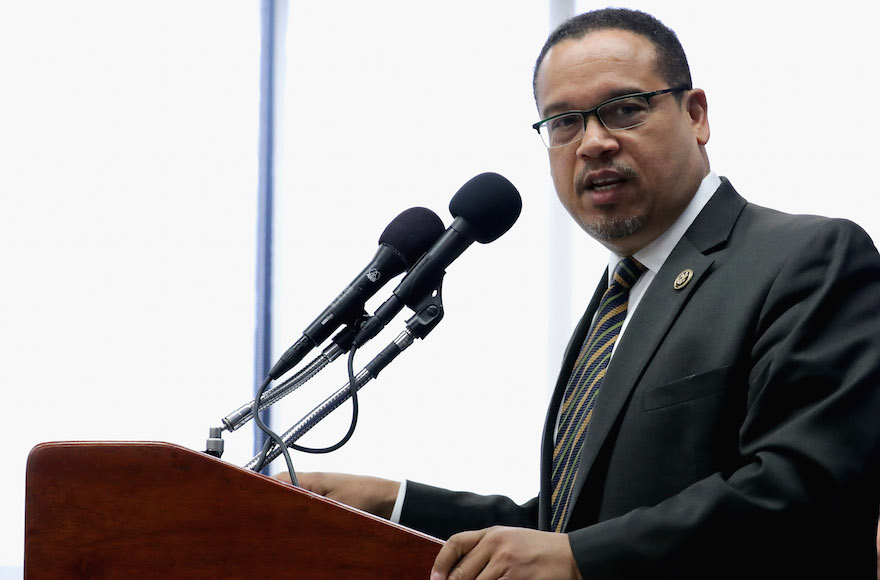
626, 170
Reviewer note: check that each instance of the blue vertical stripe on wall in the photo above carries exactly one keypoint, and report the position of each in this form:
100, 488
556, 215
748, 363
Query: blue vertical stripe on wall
263, 346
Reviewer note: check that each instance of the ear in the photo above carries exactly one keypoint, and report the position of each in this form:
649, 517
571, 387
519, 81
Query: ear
698, 112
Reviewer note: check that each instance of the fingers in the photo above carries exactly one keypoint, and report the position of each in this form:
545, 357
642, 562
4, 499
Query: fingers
503, 552
320, 483
458, 551
370, 494
314, 482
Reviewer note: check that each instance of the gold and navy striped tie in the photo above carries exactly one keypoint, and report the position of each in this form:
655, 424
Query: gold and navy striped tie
583, 386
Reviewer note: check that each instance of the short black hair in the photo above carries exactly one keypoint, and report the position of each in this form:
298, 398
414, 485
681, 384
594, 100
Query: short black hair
671, 64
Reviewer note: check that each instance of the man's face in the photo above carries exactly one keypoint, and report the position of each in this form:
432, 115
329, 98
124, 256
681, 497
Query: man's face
625, 187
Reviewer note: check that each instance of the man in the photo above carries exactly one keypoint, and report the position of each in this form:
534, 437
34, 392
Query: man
736, 431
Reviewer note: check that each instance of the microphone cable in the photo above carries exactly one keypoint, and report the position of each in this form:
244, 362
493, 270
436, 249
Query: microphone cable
273, 436
275, 439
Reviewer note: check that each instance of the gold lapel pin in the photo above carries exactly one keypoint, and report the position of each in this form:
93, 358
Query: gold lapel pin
683, 279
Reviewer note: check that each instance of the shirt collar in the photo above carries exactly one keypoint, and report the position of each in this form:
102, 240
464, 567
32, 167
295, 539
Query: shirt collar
654, 254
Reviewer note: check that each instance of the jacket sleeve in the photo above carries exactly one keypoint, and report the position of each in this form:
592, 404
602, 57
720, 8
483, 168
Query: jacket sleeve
442, 513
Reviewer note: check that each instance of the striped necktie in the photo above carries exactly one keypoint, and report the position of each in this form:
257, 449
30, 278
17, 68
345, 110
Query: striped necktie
583, 386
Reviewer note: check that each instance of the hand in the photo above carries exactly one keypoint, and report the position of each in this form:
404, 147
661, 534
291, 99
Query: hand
370, 494
509, 553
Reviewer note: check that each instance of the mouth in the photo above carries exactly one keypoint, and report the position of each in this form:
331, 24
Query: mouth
605, 186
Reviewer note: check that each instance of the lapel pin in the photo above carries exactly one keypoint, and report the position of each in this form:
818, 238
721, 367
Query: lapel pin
683, 279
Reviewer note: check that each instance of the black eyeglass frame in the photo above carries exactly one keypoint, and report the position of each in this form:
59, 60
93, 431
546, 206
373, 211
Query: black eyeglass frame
595, 111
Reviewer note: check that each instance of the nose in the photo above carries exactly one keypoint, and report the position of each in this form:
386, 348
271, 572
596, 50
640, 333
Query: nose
597, 140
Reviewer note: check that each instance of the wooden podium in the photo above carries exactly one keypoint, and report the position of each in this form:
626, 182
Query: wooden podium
155, 510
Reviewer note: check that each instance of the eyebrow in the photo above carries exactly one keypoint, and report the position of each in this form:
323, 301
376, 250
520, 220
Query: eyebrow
566, 106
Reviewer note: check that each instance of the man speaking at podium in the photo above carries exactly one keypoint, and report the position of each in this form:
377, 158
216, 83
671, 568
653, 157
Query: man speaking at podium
717, 414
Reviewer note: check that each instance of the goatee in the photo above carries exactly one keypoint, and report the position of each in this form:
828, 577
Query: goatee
615, 227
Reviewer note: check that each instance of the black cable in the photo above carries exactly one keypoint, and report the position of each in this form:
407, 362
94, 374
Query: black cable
352, 387
272, 436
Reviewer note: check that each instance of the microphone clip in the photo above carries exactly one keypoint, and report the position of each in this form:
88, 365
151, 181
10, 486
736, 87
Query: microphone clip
428, 311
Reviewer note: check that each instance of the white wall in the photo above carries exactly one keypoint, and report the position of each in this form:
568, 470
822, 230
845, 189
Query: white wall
127, 210
128, 135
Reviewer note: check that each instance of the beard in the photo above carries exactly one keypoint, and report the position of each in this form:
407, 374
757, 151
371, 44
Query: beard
614, 227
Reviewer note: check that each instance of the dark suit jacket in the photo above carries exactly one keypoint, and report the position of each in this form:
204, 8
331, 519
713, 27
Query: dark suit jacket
737, 430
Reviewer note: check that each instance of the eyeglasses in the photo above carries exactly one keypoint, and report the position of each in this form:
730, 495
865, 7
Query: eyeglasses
624, 112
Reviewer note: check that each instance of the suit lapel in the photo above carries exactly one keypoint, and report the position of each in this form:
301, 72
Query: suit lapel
656, 313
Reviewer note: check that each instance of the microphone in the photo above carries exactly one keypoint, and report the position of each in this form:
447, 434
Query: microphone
403, 242
484, 208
